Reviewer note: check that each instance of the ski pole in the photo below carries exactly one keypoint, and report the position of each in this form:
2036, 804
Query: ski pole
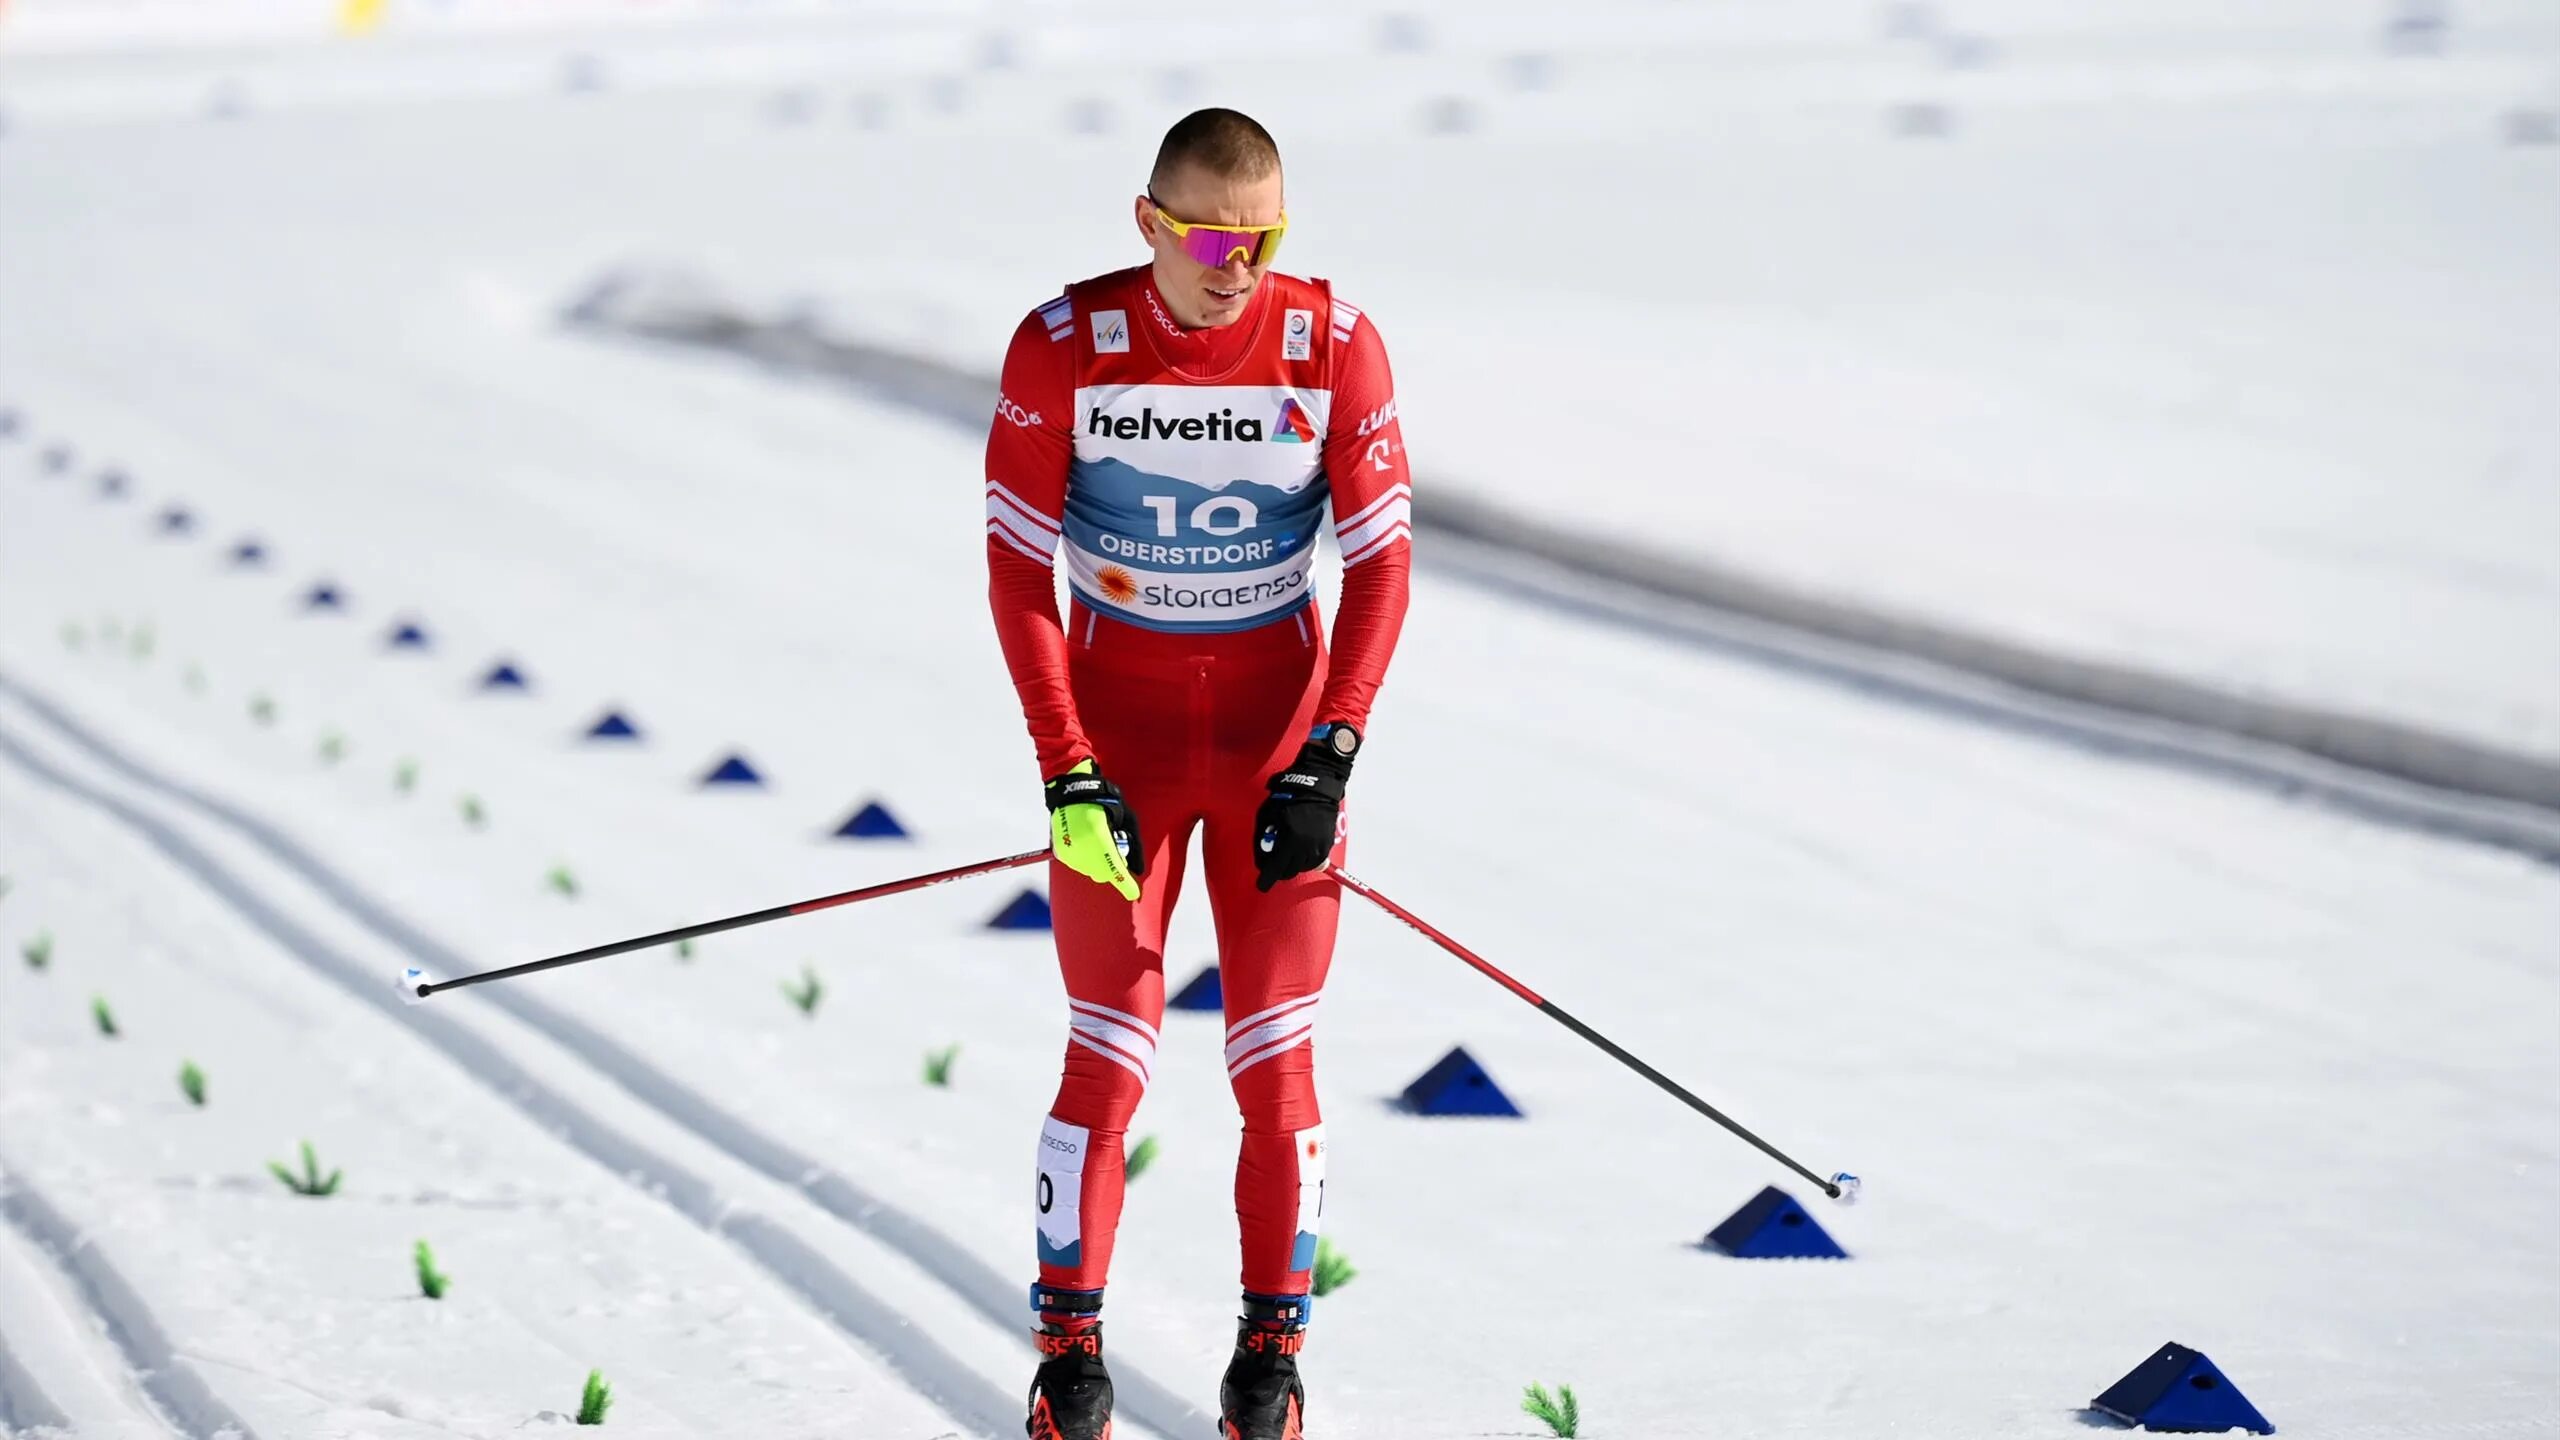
416, 984
1842, 1187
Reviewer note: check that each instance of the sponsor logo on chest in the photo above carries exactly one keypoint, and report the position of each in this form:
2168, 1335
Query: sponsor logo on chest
1209, 435
1288, 425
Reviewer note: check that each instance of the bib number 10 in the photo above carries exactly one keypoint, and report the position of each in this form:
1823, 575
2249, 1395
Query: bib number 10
1219, 515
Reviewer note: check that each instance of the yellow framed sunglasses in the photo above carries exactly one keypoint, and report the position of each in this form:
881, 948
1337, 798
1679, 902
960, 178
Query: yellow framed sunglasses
1216, 246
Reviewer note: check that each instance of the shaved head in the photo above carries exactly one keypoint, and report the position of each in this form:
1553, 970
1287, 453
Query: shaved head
1224, 144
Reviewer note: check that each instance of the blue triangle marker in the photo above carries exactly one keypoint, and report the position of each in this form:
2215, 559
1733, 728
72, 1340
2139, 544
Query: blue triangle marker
8, 424
733, 771
57, 458
323, 596
409, 636
1772, 1226
2179, 1389
111, 484
1203, 993
248, 552
1026, 911
1457, 1086
614, 726
176, 520
505, 676
872, 822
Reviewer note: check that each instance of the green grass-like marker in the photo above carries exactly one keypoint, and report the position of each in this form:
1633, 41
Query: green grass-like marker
309, 1181
1561, 1411
562, 880
262, 708
191, 1083
1142, 1157
595, 1400
144, 641
4, 887
333, 748
1333, 1268
474, 814
105, 1017
39, 951
431, 1281
404, 777
807, 993
937, 1065
684, 950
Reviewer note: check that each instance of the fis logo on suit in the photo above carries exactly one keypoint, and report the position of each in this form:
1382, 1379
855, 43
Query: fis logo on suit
1291, 427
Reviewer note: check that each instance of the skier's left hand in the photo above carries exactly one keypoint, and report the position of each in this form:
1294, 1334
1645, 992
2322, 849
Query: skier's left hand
1294, 830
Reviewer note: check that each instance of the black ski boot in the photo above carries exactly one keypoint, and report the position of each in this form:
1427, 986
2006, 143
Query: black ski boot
1071, 1392
1260, 1398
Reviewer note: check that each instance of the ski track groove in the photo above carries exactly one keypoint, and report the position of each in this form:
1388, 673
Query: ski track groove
916, 1358
185, 1405
2407, 776
23, 1405
1002, 1301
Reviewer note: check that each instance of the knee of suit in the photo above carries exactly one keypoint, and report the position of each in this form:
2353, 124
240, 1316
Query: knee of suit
1097, 1095
1278, 1097
1111, 1057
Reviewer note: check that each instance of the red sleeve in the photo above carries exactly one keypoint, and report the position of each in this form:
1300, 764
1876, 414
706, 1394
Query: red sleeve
1028, 446
1364, 461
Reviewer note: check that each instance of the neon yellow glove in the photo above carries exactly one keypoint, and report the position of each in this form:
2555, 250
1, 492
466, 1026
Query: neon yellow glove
1092, 832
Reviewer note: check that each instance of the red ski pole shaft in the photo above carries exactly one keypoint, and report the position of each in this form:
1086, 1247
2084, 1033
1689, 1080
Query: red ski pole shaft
1562, 1017
739, 922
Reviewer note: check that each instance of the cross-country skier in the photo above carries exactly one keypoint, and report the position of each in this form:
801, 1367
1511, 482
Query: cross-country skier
1181, 426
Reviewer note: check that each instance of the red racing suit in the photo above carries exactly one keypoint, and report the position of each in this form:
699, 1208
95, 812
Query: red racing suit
1184, 475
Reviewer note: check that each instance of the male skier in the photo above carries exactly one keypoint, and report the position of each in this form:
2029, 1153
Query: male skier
1180, 426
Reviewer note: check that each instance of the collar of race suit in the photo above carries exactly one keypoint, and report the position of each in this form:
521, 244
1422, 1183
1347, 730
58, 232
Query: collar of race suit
1206, 351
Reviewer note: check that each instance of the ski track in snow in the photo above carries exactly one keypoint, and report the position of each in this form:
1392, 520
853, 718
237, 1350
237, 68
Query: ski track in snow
930, 1368
2258, 743
186, 1405
23, 1404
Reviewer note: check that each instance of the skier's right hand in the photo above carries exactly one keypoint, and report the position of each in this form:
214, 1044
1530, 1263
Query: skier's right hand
1092, 832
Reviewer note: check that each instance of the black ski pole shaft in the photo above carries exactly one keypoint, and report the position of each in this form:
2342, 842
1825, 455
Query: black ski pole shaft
1561, 1016
736, 922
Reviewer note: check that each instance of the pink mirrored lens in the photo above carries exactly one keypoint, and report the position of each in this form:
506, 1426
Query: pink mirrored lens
1213, 247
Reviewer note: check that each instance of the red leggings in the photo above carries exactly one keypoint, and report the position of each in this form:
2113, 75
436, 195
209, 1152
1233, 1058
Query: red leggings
1191, 727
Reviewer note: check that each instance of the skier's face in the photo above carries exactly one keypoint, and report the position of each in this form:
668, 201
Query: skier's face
1205, 295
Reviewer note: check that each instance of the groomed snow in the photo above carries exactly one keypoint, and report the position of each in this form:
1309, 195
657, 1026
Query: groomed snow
2125, 1055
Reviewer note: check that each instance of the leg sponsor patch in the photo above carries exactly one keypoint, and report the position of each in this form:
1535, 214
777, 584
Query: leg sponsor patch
1310, 1197
1060, 1196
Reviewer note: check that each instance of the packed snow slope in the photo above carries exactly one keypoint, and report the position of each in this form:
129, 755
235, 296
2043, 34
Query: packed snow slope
2125, 1055
2206, 338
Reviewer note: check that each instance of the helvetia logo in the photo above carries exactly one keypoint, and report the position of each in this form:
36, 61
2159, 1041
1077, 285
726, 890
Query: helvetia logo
1293, 427
1148, 425
1118, 585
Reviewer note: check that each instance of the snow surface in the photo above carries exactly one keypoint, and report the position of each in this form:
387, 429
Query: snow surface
2124, 1054
2219, 343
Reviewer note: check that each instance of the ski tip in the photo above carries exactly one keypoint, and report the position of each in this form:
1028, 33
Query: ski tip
413, 985
1844, 1188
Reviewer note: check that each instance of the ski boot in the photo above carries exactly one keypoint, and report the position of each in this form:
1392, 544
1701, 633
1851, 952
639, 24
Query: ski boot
1071, 1392
1260, 1398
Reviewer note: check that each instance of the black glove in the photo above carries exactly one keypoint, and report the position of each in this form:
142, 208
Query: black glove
1093, 832
1294, 830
